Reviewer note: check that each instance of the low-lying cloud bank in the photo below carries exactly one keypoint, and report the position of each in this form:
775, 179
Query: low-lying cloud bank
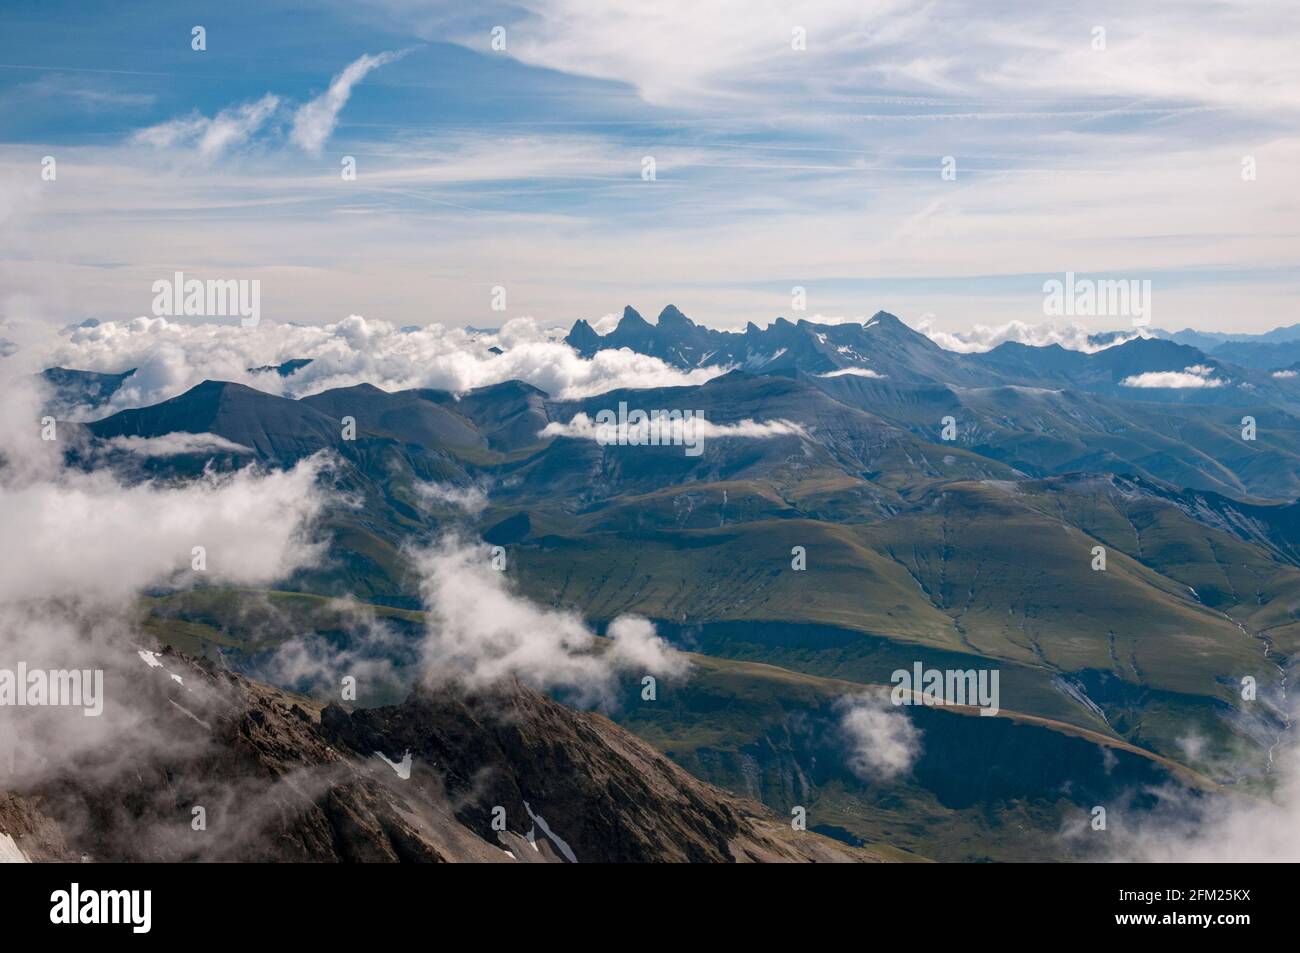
177, 444
171, 356
1221, 827
983, 337
82, 547
1196, 376
480, 631
469, 499
854, 372
662, 431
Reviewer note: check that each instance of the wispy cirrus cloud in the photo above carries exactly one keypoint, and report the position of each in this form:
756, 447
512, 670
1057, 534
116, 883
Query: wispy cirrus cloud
681, 53
312, 124
315, 121
210, 137
83, 94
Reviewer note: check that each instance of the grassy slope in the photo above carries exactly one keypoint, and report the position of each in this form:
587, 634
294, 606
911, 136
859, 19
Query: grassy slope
981, 572
984, 788
939, 579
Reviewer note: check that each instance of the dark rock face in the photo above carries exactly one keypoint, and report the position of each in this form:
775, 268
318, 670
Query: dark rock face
608, 795
444, 777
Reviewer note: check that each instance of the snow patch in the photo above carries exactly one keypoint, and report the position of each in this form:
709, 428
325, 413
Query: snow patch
540, 822
9, 851
403, 767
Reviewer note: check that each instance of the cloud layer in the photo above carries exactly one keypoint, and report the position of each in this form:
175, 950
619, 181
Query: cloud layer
172, 356
981, 337
210, 137
81, 548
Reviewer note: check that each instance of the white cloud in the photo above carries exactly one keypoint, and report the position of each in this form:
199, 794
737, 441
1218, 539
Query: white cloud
1196, 376
582, 427
853, 372
312, 662
210, 137
314, 121
480, 632
79, 550
1285, 375
638, 648
1227, 825
605, 323
471, 499
882, 741
676, 50
85, 536
685, 55
177, 444
173, 356
982, 337
86, 94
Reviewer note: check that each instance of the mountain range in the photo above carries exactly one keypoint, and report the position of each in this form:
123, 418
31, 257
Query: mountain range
949, 506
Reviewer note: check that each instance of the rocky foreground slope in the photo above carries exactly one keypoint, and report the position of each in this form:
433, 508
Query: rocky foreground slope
236, 770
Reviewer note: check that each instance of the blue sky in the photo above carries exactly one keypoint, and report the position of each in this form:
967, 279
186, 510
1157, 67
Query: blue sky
775, 166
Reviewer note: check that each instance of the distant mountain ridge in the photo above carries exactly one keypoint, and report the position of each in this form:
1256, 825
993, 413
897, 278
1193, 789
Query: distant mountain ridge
881, 345
1148, 407
1208, 340
884, 348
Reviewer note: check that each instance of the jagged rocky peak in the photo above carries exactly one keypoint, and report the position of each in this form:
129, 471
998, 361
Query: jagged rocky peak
632, 319
672, 319
582, 336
